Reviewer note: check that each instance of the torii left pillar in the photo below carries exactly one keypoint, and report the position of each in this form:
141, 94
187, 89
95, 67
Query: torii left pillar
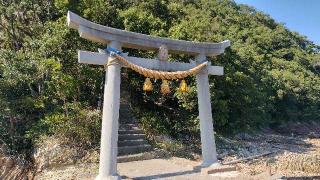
110, 120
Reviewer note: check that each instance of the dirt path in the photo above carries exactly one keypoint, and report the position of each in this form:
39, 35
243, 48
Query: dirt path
295, 157
170, 169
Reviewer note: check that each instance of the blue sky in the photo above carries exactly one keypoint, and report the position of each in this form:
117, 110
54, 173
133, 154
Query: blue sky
302, 16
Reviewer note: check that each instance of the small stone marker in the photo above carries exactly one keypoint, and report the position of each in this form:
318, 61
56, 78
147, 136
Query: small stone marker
218, 169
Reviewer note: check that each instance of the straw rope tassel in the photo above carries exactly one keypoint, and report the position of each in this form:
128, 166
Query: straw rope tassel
165, 88
183, 87
147, 86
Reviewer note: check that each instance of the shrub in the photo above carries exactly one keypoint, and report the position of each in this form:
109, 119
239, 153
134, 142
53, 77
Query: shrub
80, 126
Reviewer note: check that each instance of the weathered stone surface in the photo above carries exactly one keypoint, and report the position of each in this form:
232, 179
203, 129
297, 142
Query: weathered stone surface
110, 120
218, 169
104, 34
208, 145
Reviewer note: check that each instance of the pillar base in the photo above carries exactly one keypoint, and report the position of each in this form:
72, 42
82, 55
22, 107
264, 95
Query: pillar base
204, 165
209, 164
116, 177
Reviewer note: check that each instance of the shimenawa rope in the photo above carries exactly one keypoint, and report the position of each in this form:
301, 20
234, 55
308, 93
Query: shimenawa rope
154, 73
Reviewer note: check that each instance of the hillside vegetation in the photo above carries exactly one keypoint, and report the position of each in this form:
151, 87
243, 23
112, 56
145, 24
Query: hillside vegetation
269, 80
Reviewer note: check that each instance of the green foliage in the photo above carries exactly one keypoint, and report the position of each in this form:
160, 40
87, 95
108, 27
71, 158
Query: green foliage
271, 74
269, 78
80, 126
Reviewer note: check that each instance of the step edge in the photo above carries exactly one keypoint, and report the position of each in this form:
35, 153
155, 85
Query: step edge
147, 145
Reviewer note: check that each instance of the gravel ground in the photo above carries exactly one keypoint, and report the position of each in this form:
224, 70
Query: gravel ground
293, 160
294, 156
173, 168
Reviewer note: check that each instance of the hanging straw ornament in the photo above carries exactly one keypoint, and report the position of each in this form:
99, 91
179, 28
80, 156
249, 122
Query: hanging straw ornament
165, 89
183, 87
147, 86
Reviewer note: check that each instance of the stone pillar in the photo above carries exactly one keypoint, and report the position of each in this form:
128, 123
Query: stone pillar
208, 144
110, 121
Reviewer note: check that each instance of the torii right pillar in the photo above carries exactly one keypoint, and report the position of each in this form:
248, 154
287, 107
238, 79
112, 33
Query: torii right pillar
209, 153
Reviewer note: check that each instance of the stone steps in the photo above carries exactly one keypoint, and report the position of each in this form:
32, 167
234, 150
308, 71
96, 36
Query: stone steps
128, 126
125, 150
131, 131
132, 142
135, 157
123, 137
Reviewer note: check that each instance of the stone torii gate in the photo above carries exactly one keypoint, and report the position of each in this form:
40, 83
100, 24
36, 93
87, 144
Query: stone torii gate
116, 39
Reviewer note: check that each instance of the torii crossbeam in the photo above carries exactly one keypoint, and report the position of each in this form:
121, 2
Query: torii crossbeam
116, 38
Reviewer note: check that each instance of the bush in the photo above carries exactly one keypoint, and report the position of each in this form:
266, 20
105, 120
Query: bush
80, 126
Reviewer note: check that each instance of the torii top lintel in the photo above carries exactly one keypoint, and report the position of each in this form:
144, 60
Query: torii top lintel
104, 34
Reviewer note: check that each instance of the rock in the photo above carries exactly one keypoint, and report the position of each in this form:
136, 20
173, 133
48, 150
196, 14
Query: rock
2, 160
313, 135
243, 136
218, 169
163, 138
9, 163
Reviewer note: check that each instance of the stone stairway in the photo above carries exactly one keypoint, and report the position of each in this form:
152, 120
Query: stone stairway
132, 143
131, 140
